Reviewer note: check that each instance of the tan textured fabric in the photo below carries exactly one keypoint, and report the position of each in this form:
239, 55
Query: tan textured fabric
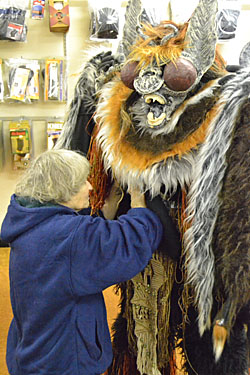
144, 303
5, 306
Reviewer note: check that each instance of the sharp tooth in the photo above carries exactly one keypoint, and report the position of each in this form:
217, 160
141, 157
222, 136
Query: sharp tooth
150, 116
154, 97
155, 121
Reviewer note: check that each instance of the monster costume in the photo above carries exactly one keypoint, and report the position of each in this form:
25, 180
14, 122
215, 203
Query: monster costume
164, 115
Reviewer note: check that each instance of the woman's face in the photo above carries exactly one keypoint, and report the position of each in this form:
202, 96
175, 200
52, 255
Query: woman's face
81, 199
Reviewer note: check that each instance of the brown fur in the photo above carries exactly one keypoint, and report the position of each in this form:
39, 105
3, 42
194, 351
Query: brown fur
146, 54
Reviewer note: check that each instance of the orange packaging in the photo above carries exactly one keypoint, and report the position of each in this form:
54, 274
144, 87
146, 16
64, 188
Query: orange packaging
59, 16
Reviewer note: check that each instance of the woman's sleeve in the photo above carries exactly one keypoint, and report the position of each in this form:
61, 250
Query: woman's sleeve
107, 252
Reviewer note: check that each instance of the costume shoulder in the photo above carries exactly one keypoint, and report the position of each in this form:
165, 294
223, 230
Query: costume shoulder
79, 123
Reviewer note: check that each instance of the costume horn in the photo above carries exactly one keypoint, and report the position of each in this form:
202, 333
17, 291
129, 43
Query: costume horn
201, 36
131, 26
221, 329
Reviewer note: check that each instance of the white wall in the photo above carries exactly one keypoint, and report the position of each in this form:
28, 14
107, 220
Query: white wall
42, 43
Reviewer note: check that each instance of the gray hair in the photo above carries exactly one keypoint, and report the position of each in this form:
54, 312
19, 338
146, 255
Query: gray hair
54, 176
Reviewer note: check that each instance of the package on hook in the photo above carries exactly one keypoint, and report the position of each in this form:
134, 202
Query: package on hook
54, 129
37, 9
227, 19
55, 80
23, 80
20, 143
153, 13
13, 20
105, 20
59, 20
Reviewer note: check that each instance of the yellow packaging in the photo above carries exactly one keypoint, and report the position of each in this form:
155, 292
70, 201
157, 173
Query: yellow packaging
20, 143
19, 85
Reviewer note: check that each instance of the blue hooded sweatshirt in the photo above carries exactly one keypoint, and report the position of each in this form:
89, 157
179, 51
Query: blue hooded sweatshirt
60, 261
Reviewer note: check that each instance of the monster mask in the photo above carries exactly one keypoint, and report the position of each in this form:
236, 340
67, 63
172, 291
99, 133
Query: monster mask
144, 134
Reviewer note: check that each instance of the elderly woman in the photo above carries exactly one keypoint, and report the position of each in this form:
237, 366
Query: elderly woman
61, 261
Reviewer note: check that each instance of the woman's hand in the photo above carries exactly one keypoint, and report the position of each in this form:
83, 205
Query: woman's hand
137, 199
112, 202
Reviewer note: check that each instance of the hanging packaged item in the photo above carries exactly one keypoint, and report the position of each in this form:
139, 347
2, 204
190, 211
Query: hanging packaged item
20, 143
37, 9
1, 81
23, 80
54, 129
227, 19
105, 20
55, 80
154, 12
59, 16
33, 89
13, 20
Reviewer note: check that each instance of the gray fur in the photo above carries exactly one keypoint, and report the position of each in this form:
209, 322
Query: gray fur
86, 88
204, 195
203, 171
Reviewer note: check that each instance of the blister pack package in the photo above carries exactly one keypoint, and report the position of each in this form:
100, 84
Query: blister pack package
13, 20
227, 19
105, 20
23, 80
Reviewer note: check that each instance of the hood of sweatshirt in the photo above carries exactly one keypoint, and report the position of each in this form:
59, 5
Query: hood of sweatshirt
20, 219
